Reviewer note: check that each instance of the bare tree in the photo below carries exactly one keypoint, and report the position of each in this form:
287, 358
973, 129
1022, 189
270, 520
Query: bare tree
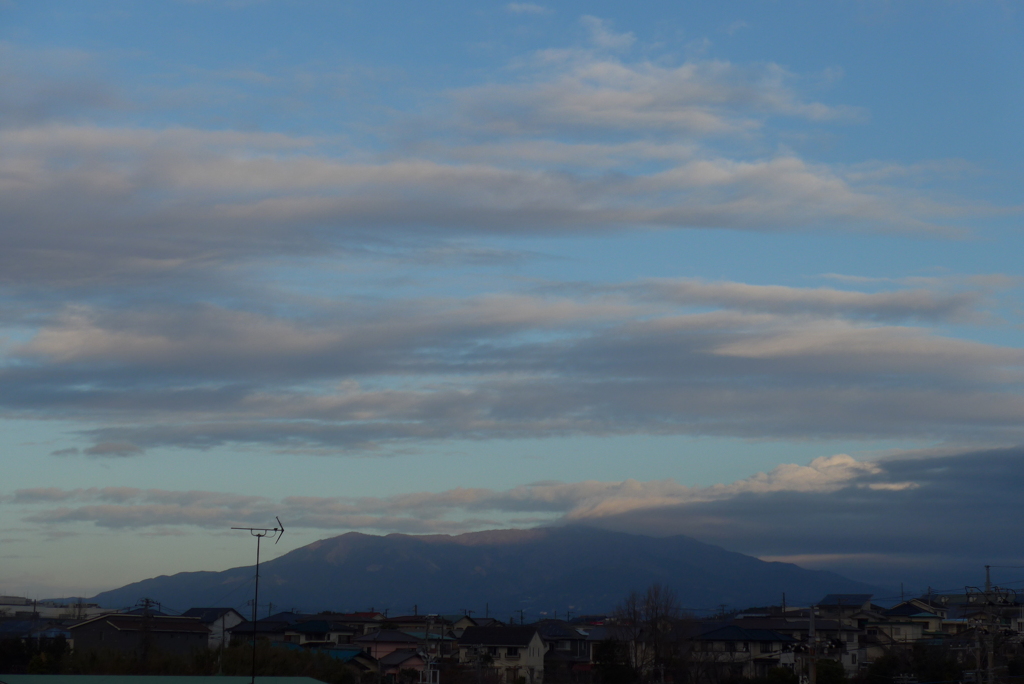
645, 622
661, 612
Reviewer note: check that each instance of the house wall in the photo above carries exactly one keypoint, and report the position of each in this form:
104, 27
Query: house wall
103, 637
524, 661
219, 628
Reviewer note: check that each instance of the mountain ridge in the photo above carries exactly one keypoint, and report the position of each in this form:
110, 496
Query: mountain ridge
539, 570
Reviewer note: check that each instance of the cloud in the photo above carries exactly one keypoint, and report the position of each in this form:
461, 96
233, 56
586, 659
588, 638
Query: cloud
142, 206
126, 507
602, 36
736, 26
579, 94
901, 305
38, 85
114, 449
879, 533
526, 8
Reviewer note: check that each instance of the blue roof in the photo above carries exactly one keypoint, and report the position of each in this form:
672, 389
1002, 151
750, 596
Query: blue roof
338, 653
16, 626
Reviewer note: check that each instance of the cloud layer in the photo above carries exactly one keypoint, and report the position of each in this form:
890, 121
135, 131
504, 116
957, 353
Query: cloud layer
588, 141
664, 357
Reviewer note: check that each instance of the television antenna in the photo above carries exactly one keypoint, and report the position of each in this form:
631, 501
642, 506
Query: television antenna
260, 533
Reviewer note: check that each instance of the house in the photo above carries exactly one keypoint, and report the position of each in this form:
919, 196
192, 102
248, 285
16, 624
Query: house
272, 628
567, 650
364, 622
218, 620
511, 652
894, 631
844, 606
732, 651
140, 633
384, 641
459, 622
910, 610
393, 663
436, 644
320, 633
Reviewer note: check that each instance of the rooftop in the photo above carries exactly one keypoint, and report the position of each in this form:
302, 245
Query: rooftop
518, 635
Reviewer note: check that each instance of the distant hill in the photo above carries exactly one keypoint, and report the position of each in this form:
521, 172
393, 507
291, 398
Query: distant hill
544, 569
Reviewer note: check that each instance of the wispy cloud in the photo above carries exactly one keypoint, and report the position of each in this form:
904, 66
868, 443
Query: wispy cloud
125, 507
603, 36
527, 8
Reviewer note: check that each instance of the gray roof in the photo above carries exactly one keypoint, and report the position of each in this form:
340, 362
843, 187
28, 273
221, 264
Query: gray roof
208, 615
518, 635
387, 635
398, 657
136, 623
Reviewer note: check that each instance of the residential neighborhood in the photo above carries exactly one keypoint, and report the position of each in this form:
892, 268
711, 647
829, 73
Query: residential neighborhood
977, 635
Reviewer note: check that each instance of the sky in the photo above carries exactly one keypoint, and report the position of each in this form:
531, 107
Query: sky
744, 271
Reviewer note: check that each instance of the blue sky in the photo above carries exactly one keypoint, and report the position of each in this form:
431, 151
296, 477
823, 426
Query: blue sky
410, 267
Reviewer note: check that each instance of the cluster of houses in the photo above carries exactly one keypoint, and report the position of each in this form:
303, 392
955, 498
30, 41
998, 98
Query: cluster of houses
847, 628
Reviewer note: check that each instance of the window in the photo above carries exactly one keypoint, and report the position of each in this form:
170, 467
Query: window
492, 651
897, 631
512, 651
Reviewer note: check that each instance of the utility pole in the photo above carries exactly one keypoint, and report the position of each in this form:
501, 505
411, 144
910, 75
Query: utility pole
145, 631
993, 598
812, 637
259, 533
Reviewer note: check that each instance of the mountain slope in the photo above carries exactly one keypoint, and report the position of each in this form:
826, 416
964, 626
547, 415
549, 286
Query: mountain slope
544, 569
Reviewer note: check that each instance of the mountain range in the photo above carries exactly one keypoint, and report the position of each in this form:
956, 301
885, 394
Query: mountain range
541, 571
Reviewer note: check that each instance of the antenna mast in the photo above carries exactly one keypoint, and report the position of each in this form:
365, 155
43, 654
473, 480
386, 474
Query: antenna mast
260, 533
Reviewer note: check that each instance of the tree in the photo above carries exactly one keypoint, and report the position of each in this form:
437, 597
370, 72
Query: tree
646, 622
830, 672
